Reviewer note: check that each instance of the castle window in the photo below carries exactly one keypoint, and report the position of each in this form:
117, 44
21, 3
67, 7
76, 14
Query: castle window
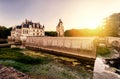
37, 33
23, 31
33, 30
27, 31
37, 30
33, 34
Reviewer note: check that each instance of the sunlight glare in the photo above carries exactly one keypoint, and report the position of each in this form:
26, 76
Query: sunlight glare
91, 24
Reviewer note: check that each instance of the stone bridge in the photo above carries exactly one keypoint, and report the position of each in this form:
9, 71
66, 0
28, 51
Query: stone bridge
77, 47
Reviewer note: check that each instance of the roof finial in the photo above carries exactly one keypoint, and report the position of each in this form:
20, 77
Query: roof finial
60, 20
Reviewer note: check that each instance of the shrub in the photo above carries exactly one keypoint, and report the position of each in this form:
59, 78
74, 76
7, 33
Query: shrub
103, 51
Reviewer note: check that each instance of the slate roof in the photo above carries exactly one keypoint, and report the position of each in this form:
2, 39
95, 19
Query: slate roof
27, 23
18, 26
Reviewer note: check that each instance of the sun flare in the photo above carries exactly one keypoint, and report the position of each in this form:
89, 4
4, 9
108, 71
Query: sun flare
91, 24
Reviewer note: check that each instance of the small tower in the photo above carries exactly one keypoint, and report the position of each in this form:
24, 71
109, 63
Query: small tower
60, 29
26, 21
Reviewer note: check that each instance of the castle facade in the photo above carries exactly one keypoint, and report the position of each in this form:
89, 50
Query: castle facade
27, 28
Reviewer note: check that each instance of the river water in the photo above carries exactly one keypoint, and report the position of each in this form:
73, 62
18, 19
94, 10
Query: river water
103, 71
99, 70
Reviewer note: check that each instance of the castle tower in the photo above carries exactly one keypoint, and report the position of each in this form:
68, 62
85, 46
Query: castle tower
60, 29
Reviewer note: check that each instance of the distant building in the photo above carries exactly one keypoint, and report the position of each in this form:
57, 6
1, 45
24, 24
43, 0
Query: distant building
27, 28
60, 29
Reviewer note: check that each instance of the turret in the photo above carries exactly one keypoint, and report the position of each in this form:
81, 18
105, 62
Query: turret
60, 28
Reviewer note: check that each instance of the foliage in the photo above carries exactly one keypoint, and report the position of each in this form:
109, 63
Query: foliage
103, 51
4, 32
51, 33
81, 32
111, 25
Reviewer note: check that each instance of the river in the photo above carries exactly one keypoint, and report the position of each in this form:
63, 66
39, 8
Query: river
103, 71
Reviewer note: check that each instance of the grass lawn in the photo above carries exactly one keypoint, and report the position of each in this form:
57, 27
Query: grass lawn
42, 67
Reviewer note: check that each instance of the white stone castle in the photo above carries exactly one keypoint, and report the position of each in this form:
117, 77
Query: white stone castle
27, 28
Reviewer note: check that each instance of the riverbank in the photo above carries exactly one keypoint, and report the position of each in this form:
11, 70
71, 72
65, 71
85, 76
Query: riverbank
3, 43
107, 64
47, 66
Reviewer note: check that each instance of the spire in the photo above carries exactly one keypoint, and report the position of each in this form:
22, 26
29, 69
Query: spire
43, 27
60, 21
26, 21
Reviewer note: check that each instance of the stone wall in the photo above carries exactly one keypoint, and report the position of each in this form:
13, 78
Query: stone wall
111, 40
78, 43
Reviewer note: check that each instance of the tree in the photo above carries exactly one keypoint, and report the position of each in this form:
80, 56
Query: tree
81, 32
111, 25
51, 33
4, 32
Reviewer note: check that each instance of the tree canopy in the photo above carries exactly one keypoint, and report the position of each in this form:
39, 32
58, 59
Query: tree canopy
81, 32
51, 33
4, 32
111, 25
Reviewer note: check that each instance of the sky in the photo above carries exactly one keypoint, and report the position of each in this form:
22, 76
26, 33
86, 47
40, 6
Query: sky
75, 14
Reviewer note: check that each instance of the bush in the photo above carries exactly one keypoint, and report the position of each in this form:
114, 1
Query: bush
103, 51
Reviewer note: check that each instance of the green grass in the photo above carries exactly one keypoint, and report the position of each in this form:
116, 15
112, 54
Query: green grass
17, 65
103, 51
39, 67
16, 55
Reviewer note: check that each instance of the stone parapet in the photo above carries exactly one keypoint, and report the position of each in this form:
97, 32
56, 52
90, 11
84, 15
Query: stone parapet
81, 45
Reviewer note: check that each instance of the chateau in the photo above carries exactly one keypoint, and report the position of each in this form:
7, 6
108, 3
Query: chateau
27, 28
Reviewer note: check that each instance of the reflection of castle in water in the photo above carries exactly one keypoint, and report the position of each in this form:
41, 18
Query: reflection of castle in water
28, 28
